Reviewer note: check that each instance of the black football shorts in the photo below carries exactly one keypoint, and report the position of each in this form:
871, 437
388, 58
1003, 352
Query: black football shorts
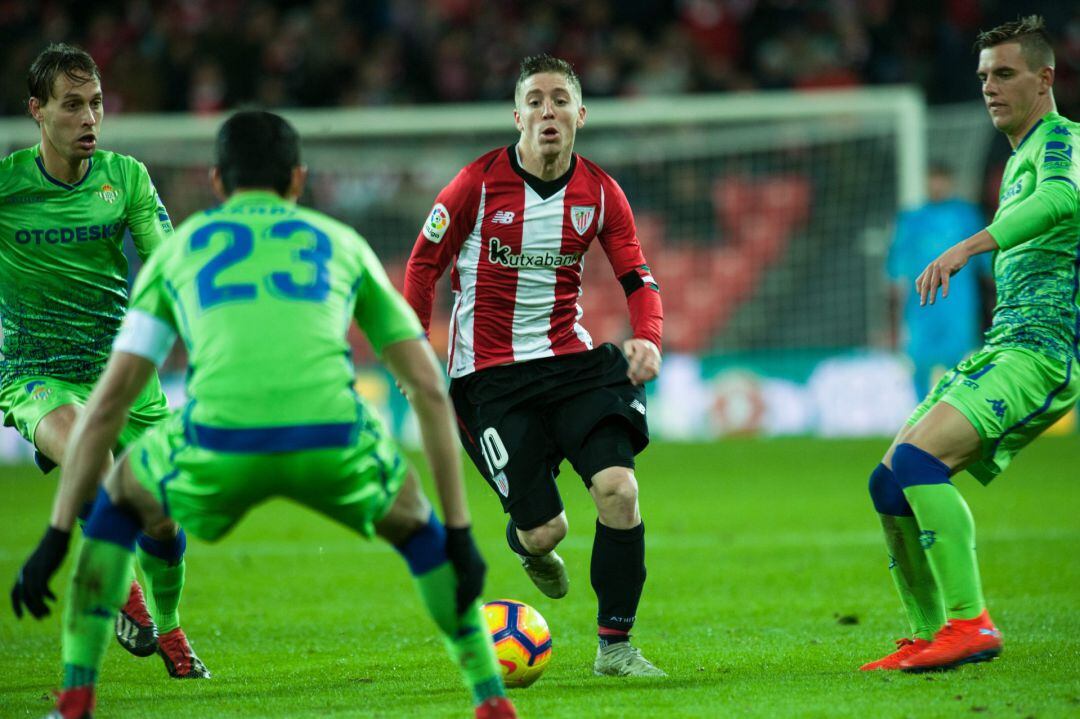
519, 421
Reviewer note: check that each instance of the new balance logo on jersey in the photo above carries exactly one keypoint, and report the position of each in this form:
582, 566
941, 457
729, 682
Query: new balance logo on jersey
582, 217
500, 254
502, 217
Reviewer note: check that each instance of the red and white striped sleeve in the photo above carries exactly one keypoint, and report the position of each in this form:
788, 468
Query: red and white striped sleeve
618, 237
447, 226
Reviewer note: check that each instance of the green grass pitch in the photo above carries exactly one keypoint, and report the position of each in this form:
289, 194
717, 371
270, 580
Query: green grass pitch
767, 589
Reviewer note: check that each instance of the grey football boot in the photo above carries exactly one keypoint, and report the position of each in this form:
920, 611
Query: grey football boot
623, 660
548, 573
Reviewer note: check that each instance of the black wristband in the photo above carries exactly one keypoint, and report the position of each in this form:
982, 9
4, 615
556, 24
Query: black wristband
56, 540
458, 531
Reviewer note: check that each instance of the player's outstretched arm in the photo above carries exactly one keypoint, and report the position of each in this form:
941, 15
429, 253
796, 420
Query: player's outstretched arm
414, 366
88, 457
416, 369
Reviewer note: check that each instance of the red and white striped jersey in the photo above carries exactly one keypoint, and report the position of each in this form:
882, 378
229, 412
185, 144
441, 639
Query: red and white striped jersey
517, 244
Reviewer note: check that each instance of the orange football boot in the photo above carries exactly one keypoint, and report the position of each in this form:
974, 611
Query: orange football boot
960, 641
904, 648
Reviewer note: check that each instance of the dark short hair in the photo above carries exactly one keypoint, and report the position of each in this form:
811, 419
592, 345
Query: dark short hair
257, 149
59, 58
1030, 32
943, 169
536, 64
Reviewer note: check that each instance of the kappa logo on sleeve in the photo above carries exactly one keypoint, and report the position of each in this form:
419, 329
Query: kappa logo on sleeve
437, 223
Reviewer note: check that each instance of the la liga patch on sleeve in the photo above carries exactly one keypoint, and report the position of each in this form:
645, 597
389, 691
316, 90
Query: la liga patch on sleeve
437, 223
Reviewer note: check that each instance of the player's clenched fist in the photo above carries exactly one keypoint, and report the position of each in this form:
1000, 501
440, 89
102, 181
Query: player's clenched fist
644, 359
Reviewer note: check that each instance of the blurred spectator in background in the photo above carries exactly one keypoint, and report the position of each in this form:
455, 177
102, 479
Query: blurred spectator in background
201, 56
937, 336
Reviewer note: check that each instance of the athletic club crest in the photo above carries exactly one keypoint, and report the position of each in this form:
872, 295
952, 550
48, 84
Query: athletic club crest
108, 194
502, 484
582, 217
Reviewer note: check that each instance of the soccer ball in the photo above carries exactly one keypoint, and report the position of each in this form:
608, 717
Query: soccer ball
522, 640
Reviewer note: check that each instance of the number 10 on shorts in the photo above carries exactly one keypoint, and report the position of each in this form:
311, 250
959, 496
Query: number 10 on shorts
494, 450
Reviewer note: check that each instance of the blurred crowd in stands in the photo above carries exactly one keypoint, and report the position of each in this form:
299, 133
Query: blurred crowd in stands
202, 56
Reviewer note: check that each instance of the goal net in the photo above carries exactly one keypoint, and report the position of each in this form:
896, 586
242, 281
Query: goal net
765, 216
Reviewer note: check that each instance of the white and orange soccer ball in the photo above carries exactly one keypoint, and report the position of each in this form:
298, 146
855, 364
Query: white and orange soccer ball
522, 640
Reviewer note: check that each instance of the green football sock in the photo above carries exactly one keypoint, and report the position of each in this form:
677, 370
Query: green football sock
466, 637
164, 584
912, 575
99, 587
947, 534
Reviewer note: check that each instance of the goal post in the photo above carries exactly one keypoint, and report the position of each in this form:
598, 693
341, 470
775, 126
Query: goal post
764, 215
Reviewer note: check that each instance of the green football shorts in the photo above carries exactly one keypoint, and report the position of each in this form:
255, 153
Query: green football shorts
208, 490
26, 402
1010, 395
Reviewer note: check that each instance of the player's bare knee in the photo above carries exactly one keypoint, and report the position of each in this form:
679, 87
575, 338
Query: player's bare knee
543, 539
615, 491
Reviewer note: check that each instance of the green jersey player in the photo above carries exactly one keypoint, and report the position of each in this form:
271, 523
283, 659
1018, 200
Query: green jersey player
64, 210
261, 292
1023, 380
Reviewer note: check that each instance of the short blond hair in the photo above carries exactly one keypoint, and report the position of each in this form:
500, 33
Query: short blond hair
536, 64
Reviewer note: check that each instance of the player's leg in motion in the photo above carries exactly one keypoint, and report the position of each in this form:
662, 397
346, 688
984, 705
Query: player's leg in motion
907, 563
99, 584
535, 546
940, 442
617, 569
161, 559
417, 534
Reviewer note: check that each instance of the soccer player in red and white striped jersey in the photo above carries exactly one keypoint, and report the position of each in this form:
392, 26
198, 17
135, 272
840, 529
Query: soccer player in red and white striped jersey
528, 385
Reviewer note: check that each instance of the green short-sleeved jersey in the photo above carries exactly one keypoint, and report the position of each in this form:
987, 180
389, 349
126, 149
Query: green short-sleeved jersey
1037, 278
63, 274
261, 292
